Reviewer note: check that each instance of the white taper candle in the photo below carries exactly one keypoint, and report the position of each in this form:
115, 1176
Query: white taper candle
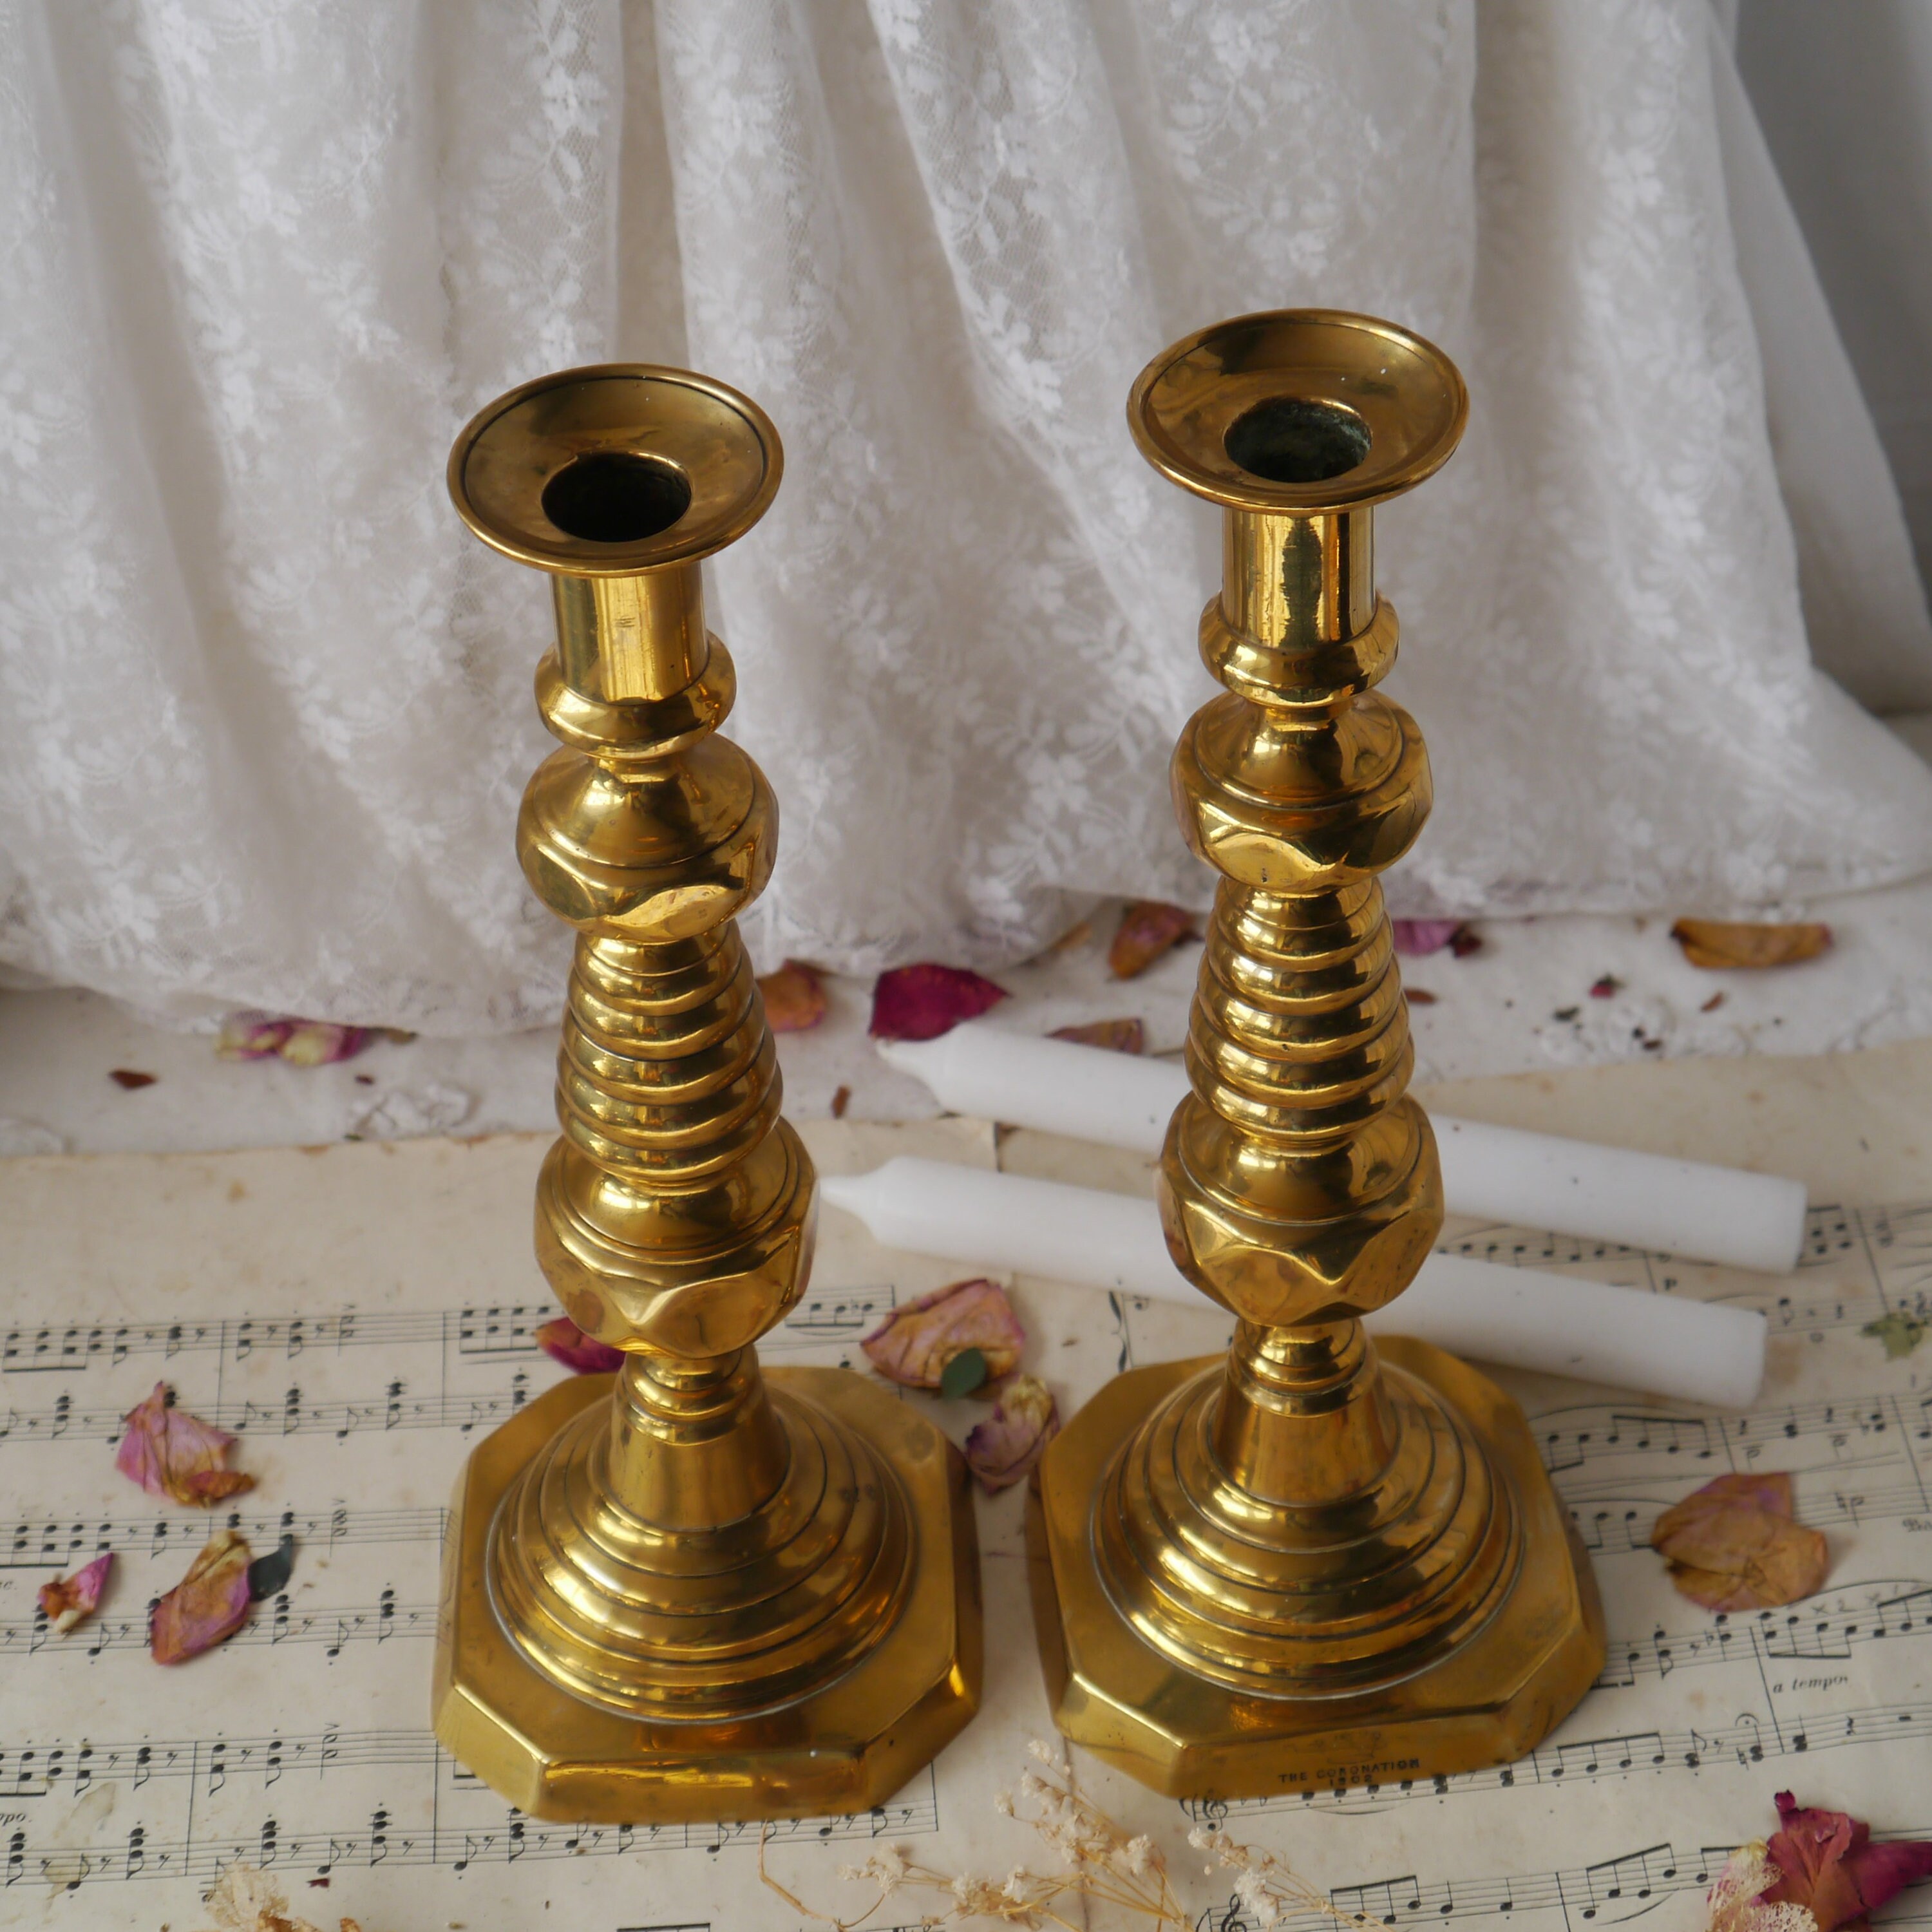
1699, 1352
1606, 1194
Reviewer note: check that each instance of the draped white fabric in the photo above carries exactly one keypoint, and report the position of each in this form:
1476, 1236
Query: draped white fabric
264, 707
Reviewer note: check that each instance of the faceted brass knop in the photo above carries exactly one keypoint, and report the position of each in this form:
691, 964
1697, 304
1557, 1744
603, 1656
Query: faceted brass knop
691, 1590
1316, 1561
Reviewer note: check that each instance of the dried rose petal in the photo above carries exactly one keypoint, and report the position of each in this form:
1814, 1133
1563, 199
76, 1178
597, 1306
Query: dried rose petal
841, 1099
1733, 1545
913, 1344
1116, 1035
1607, 988
67, 1600
794, 998
1147, 929
1830, 1866
562, 1341
131, 1078
1419, 937
1719, 944
1464, 940
170, 1452
208, 1604
923, 1001
1419, 996
1002, 1449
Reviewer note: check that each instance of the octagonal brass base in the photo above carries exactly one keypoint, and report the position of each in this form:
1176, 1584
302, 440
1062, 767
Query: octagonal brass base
1488, 1701
845, 1746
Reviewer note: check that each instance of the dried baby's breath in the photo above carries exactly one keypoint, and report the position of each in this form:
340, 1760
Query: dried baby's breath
1101, 1863
1268, 1888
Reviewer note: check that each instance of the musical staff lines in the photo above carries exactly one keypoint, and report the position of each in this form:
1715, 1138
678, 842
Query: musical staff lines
498, 1331
467, 1827
275, 1622
41, 1544
1858, 1460
1605, 1893
1781, 1663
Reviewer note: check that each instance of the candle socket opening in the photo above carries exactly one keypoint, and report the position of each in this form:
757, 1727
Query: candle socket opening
1292, 440
611, 496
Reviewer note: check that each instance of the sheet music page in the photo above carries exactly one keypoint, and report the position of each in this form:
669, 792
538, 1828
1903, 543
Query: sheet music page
362, 1315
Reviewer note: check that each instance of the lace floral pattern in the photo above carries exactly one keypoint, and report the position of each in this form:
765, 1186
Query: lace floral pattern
264, 708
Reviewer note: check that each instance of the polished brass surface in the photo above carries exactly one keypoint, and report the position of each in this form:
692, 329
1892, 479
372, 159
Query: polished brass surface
687, 1591
1316, 1562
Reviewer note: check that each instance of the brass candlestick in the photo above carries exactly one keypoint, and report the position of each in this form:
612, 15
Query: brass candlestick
687, 1591
1322, 1561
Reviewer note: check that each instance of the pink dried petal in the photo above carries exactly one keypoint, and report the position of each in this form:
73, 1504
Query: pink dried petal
562, 1341
923, 1001
251, 1036
1419, 937
1127, 1036
1148, 928
170, 1452
67, 1600
1831, 1867
208, 1604
794, 998
1002, 1449
322, 1043
913, 1344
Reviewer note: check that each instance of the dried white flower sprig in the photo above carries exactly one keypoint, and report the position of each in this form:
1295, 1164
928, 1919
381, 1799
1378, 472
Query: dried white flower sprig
1732, 1905
1266, 1887
1100, 1864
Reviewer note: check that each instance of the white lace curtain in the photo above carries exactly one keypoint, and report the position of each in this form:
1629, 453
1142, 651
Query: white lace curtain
264, 707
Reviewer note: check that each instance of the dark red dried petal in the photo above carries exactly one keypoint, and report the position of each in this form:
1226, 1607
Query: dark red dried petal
562, 1341
1831, 1867
923, 1001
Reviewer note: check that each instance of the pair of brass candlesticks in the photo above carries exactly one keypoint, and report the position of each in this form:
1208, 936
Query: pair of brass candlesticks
694, 1590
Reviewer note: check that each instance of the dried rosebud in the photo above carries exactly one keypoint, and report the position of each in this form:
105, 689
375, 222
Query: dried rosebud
914, 1344
170, 1452
923, 1001
1002, 1449
1127, 1036
301, 1043
562, 1341
1829, 1864
794, 998
1733, 1545
1719, 945
1148, 928
207, 1605
251, 1036
67, 1600
1418, 937
322, 1043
